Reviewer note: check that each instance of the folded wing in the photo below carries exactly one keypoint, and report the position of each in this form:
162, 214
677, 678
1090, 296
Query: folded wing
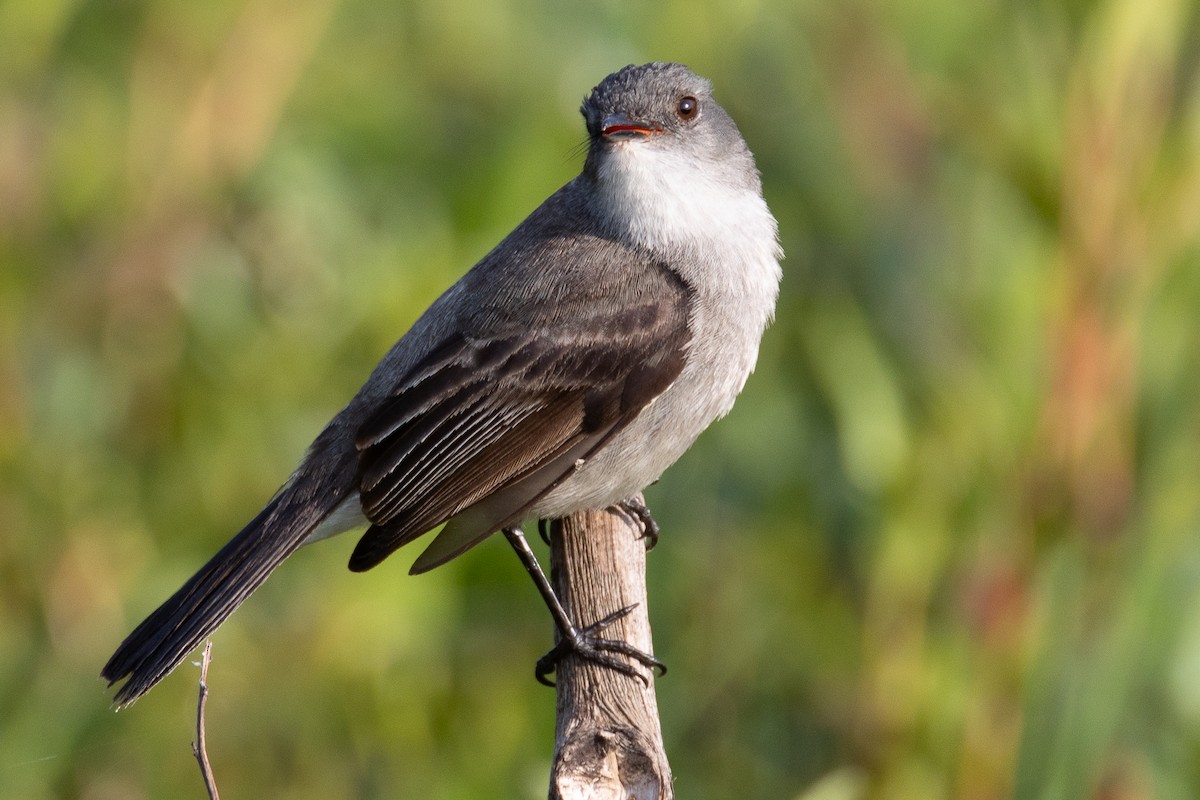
482, 428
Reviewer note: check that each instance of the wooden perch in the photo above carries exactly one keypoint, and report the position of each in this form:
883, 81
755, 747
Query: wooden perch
608, 740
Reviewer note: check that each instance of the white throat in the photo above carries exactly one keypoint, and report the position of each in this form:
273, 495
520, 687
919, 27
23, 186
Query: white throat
719, 235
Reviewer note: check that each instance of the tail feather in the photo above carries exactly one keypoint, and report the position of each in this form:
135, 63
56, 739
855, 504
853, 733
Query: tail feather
165, 638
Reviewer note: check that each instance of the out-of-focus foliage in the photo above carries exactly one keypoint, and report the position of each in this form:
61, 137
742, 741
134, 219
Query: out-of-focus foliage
946, 546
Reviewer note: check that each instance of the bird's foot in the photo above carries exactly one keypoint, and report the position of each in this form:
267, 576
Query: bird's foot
636, 508
587, 644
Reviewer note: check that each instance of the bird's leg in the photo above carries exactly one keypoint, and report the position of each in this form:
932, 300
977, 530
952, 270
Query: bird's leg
583, 642
636, 507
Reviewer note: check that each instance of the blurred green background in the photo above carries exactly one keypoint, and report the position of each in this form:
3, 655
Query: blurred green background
946, 546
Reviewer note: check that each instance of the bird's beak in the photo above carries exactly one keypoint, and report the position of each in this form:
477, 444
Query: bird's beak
616, 127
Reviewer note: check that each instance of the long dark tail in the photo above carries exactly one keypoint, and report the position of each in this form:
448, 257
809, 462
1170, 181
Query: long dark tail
166, 637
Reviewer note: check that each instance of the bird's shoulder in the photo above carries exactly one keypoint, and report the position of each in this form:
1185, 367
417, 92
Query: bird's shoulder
559, 276
562, 262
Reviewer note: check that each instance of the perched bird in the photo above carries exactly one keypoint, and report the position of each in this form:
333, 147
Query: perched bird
566, 370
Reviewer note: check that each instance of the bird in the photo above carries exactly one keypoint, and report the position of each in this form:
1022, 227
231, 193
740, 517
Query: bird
566, 370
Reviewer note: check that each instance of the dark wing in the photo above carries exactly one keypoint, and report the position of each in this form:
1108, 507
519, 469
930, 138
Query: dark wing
482, 428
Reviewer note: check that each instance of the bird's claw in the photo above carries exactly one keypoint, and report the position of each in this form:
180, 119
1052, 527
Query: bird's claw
636, 508
587, 645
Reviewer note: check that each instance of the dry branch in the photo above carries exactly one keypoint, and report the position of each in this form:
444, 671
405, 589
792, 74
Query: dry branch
608, 740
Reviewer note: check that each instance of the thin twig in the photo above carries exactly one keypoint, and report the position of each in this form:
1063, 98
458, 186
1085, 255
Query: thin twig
199, 747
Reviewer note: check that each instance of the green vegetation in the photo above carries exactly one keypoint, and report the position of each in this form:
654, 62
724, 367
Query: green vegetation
946, 546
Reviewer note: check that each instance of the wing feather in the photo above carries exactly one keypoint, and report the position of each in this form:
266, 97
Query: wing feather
483, 426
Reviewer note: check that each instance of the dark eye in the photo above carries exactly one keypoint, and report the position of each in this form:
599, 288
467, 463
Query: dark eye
687, 107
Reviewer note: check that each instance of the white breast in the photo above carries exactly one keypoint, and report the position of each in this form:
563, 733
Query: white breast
722, 239
720, 236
